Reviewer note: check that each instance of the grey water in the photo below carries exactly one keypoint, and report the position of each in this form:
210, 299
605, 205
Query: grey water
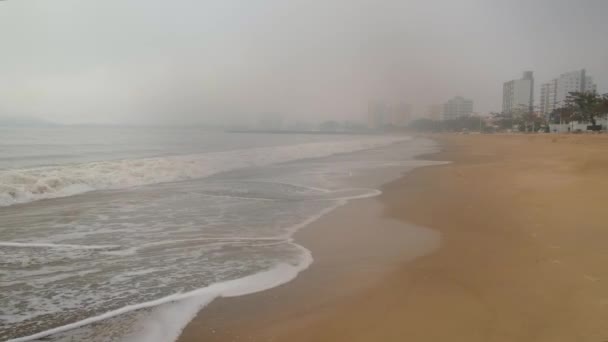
103, 221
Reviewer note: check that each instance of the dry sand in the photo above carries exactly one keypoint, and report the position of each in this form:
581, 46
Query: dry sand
523, 257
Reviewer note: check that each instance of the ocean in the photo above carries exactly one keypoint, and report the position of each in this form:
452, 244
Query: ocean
124, 234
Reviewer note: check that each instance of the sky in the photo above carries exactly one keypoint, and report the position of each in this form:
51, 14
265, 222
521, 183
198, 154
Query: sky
228, 61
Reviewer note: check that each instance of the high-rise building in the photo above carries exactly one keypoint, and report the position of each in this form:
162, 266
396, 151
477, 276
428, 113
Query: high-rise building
518, 95
457, 107
553, 94
548, 97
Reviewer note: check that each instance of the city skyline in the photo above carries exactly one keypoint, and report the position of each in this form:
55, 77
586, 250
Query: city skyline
554, 93
226, 61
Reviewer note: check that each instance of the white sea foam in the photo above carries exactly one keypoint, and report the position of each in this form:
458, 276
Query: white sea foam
163, 319
169, 315
172, 313
166, 322
54, 245
26, 185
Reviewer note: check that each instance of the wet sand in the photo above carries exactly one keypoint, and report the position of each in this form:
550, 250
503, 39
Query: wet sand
524, 231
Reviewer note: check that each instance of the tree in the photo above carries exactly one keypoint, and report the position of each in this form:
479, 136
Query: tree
563, 114
521, 117
529, 122
584, 107
503, 120
526, 120
603, 105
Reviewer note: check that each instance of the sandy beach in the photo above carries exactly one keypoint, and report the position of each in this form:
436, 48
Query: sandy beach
507, 243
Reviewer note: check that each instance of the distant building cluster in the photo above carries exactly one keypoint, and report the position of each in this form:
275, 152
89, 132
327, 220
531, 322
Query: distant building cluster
454, 108
518, 95
553, 94
381, 115
517, 100
457, 107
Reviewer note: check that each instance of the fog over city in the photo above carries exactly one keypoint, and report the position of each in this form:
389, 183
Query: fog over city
226, 61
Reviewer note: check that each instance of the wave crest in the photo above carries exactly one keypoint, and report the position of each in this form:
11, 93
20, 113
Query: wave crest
27, 185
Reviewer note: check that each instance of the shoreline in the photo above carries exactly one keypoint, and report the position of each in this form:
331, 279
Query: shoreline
521, 221
360, 212
315, 285
370, 179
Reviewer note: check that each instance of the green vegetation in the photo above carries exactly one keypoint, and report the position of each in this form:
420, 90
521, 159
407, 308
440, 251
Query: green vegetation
579, 106
582, 107
521, 119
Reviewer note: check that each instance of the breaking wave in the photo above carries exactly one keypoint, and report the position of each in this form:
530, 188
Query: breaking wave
27, 185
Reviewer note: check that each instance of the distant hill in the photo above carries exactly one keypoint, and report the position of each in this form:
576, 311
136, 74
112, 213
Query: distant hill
25, 122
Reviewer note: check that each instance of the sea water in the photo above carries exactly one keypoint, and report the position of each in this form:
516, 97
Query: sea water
124, 234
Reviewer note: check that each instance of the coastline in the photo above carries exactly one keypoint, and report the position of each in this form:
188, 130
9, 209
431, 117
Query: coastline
522, 257
137, 322
129, 320
348, 259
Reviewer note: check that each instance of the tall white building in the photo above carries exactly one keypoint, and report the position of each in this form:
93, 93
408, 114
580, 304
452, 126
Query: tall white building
553, 94
518, 94
457, 107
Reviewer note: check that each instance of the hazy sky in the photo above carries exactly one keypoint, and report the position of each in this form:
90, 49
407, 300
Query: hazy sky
152, 61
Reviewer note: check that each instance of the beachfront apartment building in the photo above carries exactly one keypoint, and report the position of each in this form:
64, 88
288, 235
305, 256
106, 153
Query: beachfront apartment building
553, 94
518, 94
457, 107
